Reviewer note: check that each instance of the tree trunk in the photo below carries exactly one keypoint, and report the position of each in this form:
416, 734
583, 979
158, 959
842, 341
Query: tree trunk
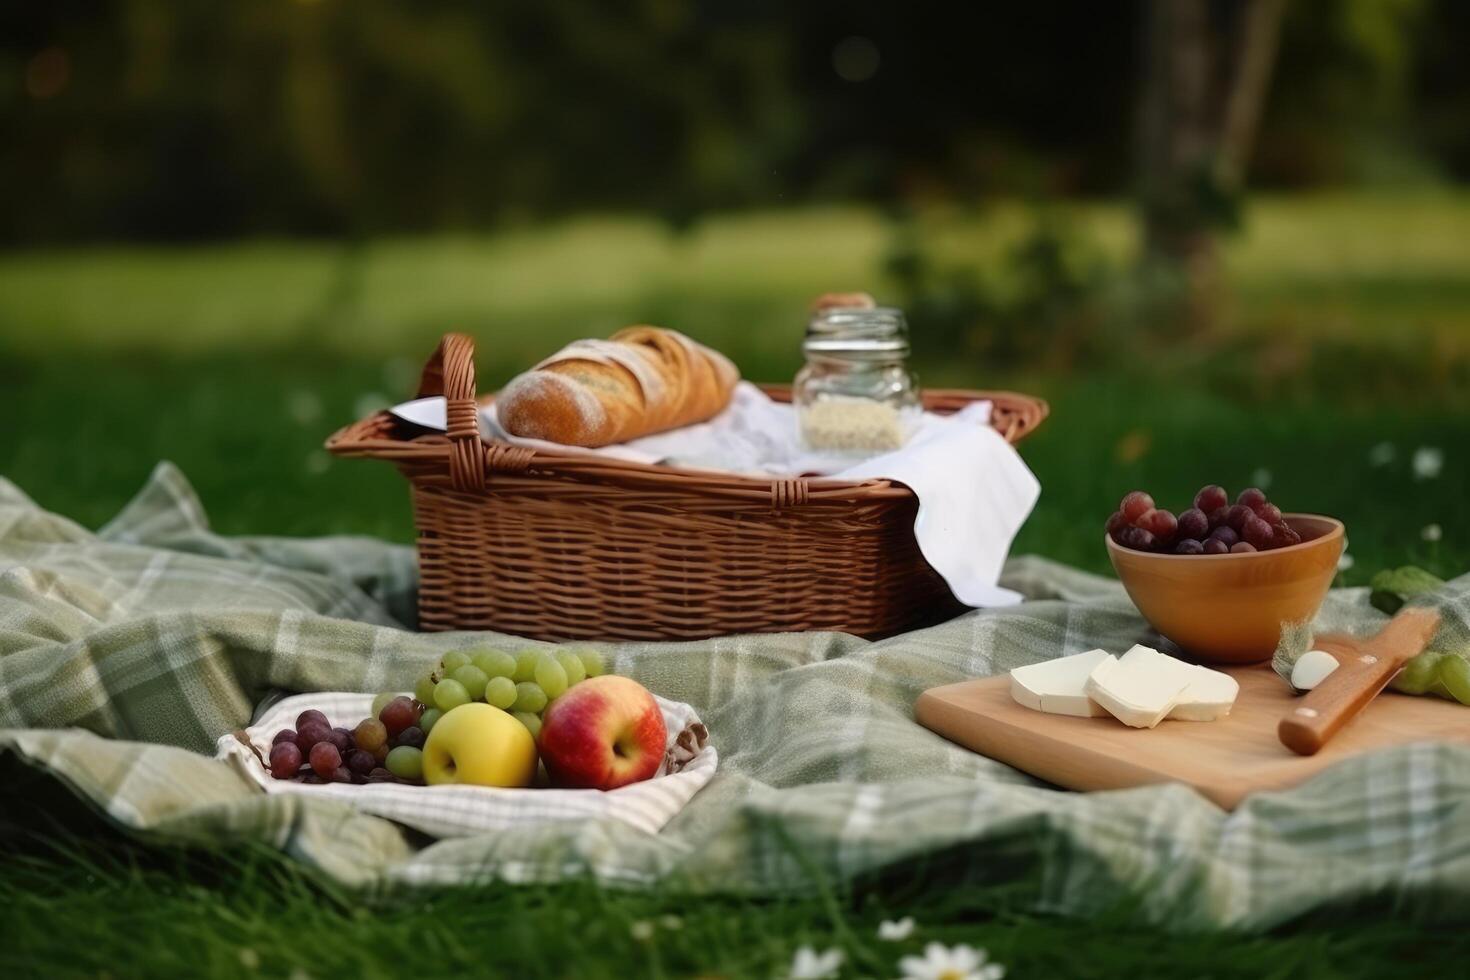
1207, 68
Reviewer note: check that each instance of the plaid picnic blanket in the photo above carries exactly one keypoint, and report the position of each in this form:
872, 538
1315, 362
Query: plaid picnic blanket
125, 653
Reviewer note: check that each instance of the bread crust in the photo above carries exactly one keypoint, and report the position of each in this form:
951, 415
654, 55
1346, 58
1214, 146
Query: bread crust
596, 392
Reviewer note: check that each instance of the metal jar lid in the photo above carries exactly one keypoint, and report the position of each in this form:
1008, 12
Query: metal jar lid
853, 333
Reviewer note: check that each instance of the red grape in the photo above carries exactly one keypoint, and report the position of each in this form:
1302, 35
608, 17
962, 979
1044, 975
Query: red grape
310, 734
1189, 546
1211, 498
381, 775
285, 760
1238, 516
340, 775
1219, 516
1194, 524
381, 752
284, 735
1215, 546
1257, 532
1224, 533
1285, 535
1136, 538
1251, 497
310, 715
1115, 521
1135, 505
1160, 523
324, 759
342, 739
361, 762
1241, 547
412, 736
1269, 513
398, 714
370, 734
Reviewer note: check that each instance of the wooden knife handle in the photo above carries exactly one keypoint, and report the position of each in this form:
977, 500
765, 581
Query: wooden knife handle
1361, 675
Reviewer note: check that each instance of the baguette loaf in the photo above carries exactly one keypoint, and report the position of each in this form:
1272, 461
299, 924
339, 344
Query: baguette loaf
595, 392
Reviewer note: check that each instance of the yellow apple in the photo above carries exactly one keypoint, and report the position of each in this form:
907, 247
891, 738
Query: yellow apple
479, 745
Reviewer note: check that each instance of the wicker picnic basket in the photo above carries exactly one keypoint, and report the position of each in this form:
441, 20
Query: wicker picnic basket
571, 546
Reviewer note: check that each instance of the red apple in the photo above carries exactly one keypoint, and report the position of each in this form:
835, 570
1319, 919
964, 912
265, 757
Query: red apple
604, 733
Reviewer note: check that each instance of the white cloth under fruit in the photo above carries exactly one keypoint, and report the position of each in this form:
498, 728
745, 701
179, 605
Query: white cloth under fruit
463, 811
974, 489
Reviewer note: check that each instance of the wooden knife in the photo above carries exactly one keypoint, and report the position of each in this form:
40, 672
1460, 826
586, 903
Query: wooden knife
1366, 667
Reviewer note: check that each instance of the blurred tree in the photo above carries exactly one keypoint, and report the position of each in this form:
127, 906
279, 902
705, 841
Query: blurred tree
193, 119
1207, 69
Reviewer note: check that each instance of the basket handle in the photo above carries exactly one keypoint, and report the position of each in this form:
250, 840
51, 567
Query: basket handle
451, 373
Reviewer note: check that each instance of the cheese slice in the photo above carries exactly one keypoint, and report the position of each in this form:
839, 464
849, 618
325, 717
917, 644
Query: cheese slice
1209, 696
1059, 686
1141, 687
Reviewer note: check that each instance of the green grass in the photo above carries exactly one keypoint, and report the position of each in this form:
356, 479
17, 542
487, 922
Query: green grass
236, 361
84, 902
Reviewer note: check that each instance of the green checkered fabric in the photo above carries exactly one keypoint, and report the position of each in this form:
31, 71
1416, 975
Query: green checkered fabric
125, 653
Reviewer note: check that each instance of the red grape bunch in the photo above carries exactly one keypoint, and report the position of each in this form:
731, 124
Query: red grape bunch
1211, 527
385, 748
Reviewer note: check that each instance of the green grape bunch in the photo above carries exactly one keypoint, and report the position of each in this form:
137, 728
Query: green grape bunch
524, 683
1438, 673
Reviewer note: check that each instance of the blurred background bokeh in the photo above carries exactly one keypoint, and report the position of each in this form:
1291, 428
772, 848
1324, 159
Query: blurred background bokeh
1230, 239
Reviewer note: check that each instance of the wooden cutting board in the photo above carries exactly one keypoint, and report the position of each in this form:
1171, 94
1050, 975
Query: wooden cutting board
1225, 760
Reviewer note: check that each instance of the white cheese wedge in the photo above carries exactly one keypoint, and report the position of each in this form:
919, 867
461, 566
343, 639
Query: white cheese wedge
1209, 696
1312, 669
1141, 687
1059, 686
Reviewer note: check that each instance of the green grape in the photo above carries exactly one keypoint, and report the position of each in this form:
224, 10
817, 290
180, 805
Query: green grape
572, 664
1419, 674
450, 694
529, 697
1454, 676
381, 701
532, 722
551, 676
423, 690
501, 692
453, 660
429, 718
591, 662
526, 665
473, 679
406, 762
495, 663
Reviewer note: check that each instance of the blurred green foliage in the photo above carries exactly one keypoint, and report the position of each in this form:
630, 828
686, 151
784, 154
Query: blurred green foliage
147, 119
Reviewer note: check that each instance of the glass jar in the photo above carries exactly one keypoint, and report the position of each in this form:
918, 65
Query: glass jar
856, 393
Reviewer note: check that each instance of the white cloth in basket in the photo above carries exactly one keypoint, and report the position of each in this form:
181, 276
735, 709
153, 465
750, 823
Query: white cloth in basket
463, 811
974, 489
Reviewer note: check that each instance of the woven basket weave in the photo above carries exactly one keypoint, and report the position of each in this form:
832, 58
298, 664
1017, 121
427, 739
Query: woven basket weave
570, 546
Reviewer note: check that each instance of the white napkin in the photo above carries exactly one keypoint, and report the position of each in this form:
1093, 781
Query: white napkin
974, 490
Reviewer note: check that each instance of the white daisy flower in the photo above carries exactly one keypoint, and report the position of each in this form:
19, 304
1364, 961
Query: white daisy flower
894, 932
1432, 532
1427, 462
1345, 562
1261, 478
642, 930
953, 963
808, 964
1382, 454
671, 922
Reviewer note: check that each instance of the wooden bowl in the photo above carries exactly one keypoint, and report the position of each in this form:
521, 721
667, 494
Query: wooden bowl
1229, 608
